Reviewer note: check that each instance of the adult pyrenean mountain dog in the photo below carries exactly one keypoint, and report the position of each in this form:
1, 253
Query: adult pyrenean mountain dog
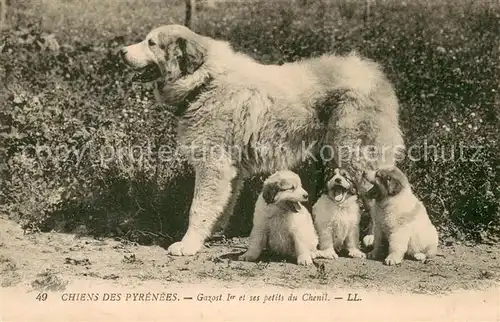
238, 117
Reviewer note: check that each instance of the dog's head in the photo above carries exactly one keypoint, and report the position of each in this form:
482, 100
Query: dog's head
167, 53
284, 187
387, 182
340, 185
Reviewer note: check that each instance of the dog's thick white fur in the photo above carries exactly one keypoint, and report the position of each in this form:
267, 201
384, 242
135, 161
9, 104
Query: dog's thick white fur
238, 117
336, 217
400, 218
281, 222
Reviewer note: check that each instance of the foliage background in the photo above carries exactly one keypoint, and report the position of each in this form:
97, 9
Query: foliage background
443, 57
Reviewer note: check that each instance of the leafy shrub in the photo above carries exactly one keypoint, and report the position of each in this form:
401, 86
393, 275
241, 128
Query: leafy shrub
442, 58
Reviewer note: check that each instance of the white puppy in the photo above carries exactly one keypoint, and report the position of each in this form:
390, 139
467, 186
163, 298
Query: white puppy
336, 217
281, 222
400, 218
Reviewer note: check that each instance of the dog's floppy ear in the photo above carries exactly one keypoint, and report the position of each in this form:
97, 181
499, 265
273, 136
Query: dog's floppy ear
393, 185
193, 55
270, 191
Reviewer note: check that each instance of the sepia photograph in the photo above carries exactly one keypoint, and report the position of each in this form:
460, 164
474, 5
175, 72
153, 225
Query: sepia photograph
247, 160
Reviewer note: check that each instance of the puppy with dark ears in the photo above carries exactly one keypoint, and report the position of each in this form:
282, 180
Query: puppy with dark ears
400, 218
336, 217
281, 223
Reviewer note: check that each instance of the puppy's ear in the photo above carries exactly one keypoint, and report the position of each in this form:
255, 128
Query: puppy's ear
193, 55
393, 185
270, 191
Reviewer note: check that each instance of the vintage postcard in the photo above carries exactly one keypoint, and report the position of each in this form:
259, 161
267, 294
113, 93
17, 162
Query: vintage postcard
248, 160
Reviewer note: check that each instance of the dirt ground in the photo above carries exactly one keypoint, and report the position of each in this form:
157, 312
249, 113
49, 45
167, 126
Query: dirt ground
51, 261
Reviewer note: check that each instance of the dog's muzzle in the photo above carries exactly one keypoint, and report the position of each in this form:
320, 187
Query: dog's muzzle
148, 73
339, 192
305, 197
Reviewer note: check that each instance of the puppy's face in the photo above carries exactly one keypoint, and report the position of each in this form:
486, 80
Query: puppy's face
167, 53
387, 182
340, 186
284, 186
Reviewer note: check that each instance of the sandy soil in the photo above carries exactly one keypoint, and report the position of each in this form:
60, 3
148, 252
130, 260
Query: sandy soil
59, 264
51, 261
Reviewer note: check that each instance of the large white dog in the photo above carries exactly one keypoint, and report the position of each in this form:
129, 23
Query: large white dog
238, 117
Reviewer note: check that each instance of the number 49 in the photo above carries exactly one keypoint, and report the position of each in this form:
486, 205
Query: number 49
41, 296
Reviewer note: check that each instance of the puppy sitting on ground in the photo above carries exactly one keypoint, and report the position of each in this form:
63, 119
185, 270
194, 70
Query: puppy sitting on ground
336, 217
281, 222
400, 218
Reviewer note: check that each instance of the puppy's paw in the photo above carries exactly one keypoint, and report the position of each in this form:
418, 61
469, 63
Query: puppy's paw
356, 253
184, 248
368, 240
392, 260
304, 260
248, 257
328, 253
420, 257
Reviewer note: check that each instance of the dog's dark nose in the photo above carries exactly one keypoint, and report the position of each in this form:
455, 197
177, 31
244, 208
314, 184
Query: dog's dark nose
305, 196
337, 180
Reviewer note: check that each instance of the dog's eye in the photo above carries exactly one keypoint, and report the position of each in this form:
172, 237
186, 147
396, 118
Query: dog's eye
151, 42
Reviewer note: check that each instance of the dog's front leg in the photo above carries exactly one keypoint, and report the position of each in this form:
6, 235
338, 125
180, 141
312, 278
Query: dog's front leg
225, 218
398, 245
352, 243
302, 251
325, 237
257, 241
212, 192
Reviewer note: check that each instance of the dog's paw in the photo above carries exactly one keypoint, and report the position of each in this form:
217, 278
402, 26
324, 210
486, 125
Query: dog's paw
304, 260
328, 253
420, 257
248, 257
356, 253
368, 240
392, 260
184, 248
